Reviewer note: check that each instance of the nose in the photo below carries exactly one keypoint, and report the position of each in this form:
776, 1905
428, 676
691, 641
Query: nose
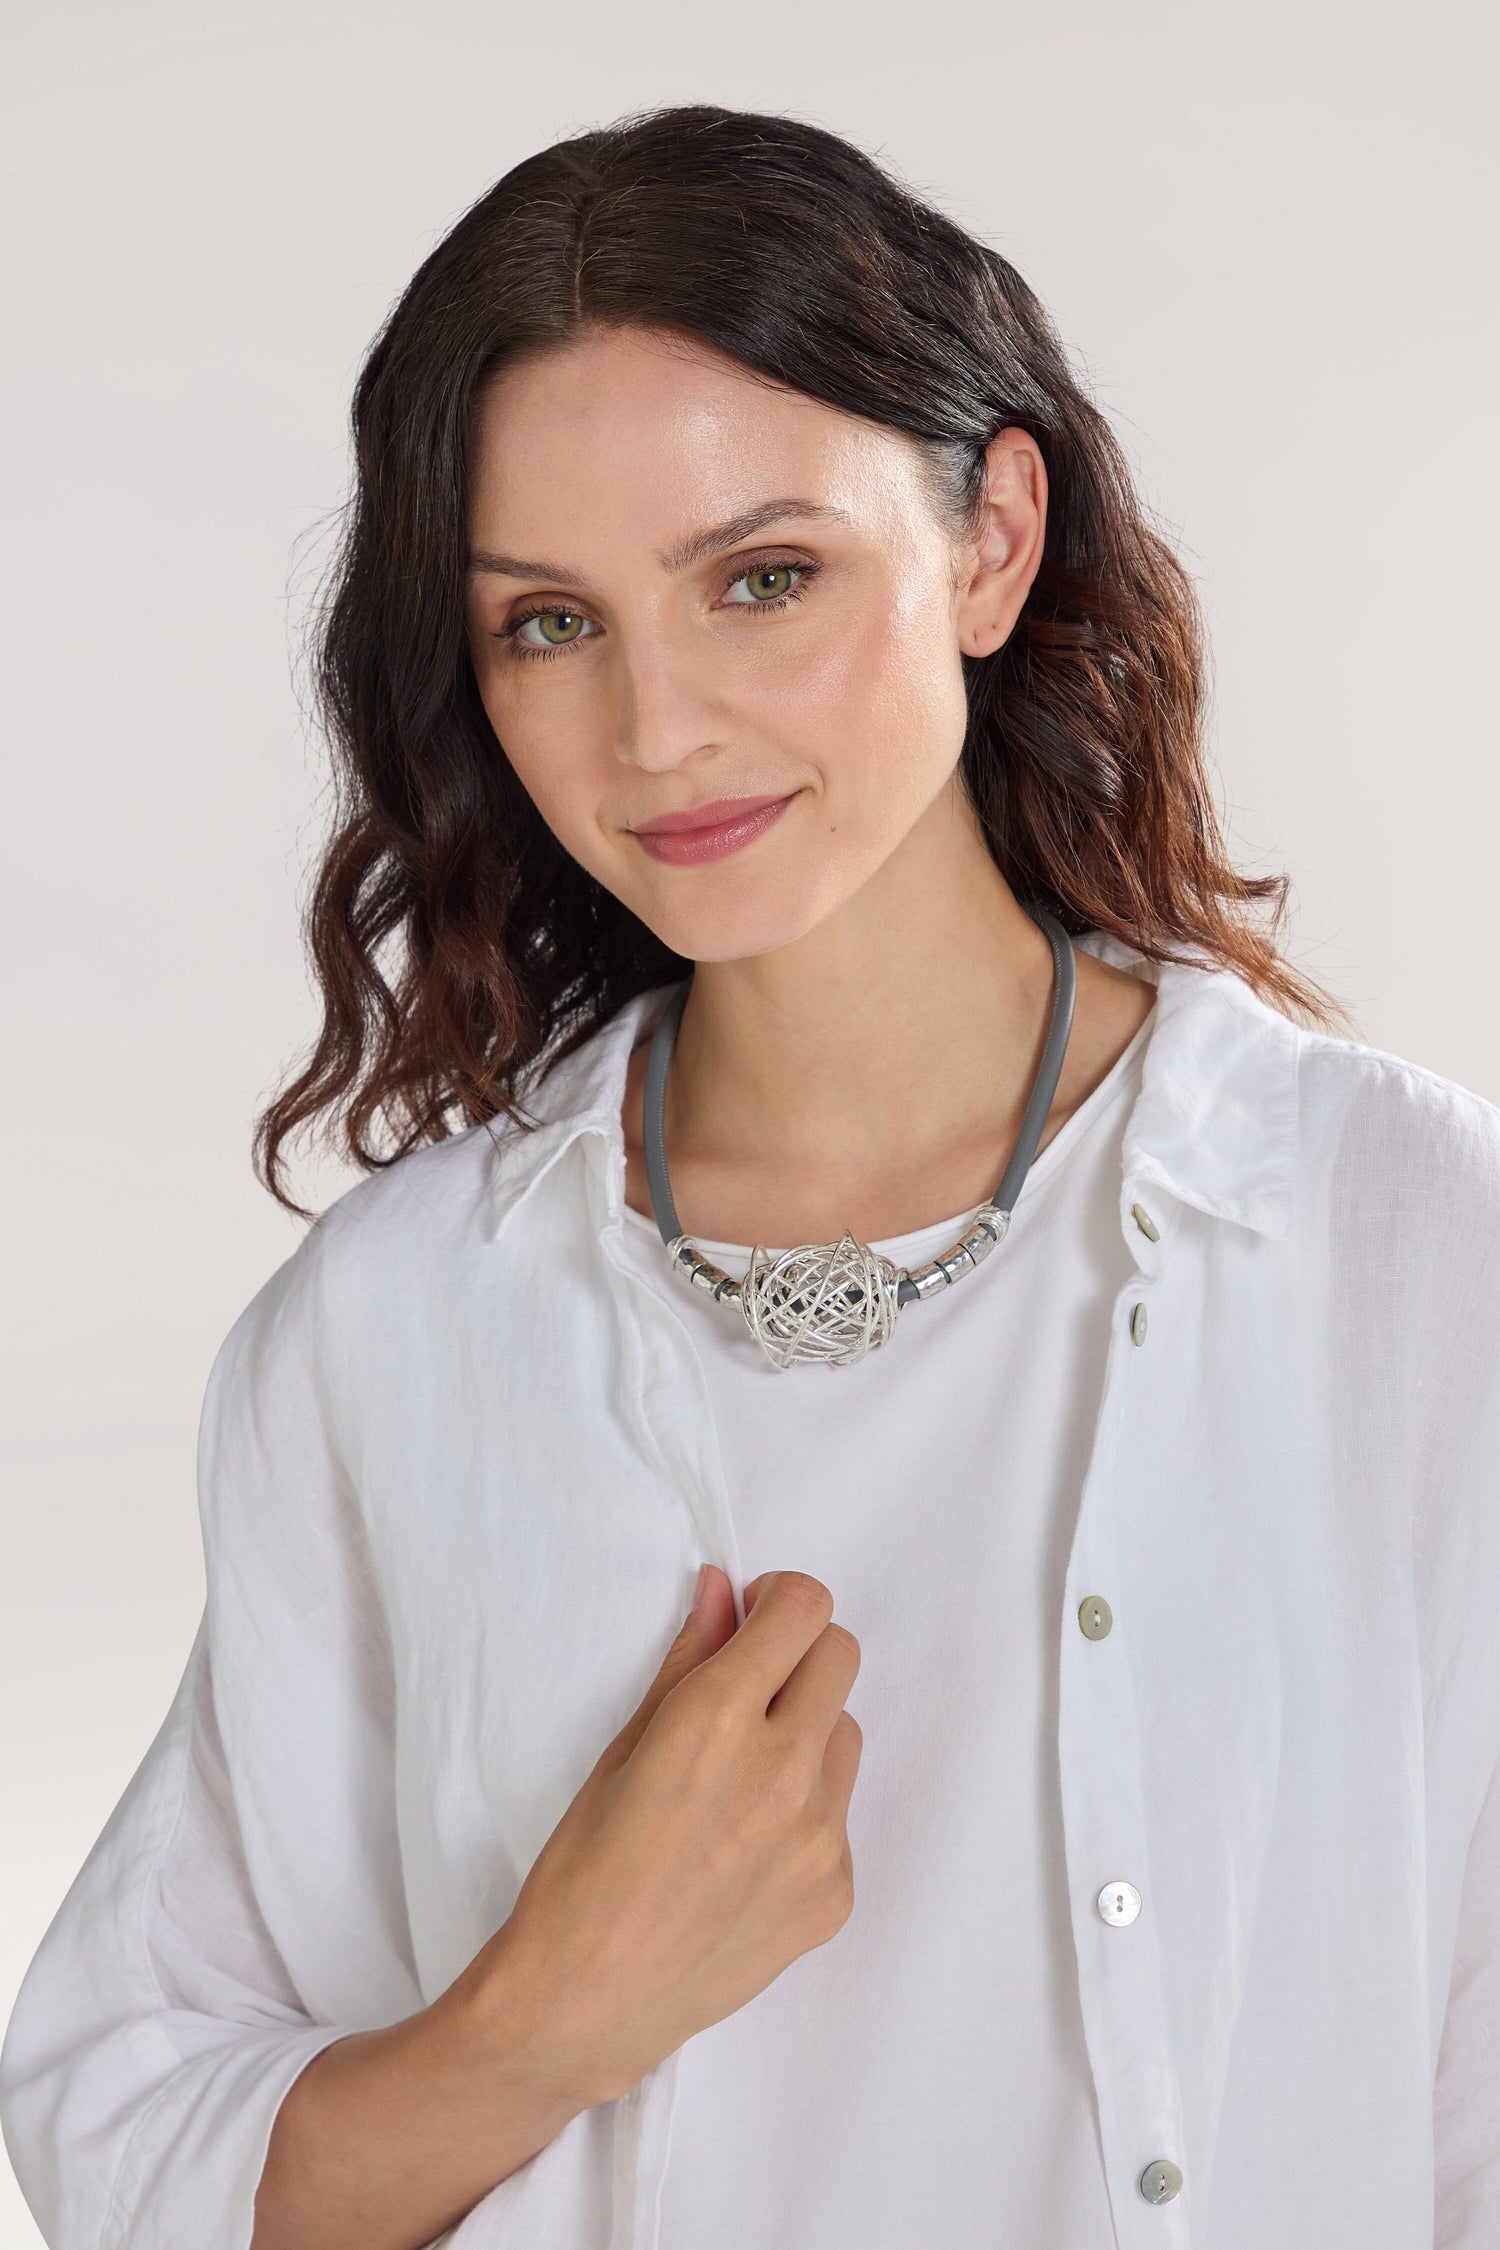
668, 710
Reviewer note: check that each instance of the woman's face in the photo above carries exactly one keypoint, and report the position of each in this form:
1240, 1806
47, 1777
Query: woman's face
687, 587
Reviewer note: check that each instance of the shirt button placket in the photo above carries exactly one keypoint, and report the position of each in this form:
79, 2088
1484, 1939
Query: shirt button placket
1118, 1903
1152, 1232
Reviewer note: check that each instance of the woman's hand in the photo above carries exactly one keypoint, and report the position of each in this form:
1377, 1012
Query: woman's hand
707, 1849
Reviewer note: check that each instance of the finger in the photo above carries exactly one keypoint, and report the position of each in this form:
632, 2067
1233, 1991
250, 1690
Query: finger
840, 1767
753, 1588
818, 1687
789, 1611
703, 1631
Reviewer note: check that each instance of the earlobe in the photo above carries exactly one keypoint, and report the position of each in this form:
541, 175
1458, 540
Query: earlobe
982, 637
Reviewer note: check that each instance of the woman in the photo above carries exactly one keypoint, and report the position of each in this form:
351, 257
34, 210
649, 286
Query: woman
770, 742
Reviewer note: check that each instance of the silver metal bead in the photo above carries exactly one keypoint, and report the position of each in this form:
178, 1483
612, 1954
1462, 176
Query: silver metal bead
927, 1280
955, 1262
699, 1270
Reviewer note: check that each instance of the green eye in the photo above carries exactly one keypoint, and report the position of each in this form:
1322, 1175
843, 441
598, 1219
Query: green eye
770, 585
765, 585
558, 626
541, 631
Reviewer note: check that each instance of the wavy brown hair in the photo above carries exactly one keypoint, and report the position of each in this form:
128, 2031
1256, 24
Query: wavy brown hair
453, 939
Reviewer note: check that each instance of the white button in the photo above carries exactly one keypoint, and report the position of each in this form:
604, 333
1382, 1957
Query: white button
1145, 1222
1137, 1324
1118, 1903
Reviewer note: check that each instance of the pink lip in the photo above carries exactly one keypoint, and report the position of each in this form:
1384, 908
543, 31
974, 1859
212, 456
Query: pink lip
710, 831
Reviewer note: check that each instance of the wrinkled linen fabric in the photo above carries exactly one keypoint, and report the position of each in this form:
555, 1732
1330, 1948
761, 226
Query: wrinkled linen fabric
459, 1461
933, 1488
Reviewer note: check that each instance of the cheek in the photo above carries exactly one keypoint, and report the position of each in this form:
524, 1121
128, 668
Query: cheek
883, 702
549, 743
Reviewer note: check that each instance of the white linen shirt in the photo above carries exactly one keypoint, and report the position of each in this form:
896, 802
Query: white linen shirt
925, 2079
457, 1470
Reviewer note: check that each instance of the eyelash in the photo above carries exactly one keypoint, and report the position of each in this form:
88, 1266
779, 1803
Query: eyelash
525, 651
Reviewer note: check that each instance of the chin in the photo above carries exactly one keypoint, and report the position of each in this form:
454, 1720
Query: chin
733, 929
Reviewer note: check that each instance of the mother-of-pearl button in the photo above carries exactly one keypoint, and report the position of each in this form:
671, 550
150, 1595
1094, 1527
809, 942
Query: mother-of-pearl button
1095, 1616
1145, 1222
1160, 2181
1118, 1903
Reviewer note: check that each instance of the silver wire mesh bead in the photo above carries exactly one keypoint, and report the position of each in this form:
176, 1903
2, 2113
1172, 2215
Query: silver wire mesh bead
827, 1301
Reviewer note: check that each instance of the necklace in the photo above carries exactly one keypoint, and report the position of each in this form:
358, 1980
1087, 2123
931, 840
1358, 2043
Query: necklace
836, 1301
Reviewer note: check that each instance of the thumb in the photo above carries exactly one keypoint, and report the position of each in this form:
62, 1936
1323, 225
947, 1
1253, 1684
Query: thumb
707, 1626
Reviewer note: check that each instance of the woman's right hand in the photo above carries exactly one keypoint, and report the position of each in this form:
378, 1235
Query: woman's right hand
707, 1849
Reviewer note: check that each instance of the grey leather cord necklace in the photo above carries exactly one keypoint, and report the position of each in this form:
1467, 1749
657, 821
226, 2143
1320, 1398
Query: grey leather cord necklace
836, 1301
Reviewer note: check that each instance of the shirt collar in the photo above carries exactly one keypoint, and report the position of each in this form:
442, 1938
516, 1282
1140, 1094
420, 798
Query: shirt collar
582, 1093
1214, 1123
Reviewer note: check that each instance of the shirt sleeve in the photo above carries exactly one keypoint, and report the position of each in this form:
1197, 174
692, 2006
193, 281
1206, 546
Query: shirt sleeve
157, 2030
160, 2023
1466, 2106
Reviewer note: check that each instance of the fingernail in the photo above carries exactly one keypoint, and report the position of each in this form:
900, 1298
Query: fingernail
701, 1588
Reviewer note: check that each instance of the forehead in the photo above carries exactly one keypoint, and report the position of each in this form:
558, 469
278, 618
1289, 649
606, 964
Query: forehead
646, 434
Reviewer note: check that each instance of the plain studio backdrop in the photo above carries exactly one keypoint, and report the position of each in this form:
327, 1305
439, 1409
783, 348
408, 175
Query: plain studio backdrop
1269, 235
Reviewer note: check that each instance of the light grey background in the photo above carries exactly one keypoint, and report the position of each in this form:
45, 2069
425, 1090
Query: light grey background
1270, 235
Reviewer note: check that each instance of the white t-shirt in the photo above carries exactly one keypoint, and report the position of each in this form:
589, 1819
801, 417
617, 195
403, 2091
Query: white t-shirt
943, 2019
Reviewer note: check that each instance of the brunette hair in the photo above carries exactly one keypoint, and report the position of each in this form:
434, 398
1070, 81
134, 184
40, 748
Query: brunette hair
799, 256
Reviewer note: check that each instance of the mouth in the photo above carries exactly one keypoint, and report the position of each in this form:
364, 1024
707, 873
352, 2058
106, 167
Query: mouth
710, 831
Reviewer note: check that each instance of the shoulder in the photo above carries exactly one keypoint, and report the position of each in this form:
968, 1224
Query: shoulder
1397, 1204
1395, 1130
429, 1200
367, 1259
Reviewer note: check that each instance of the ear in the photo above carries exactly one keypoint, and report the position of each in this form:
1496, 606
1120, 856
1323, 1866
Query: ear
1007, 554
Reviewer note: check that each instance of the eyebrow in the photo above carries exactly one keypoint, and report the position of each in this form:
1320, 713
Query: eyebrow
694, 547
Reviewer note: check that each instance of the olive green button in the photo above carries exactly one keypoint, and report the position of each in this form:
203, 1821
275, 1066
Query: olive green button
1160, 2181
1095, 1616
1137, 1324
1145, 1222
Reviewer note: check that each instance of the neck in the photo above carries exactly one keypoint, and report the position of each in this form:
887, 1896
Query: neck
887, 1014
874, 1072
